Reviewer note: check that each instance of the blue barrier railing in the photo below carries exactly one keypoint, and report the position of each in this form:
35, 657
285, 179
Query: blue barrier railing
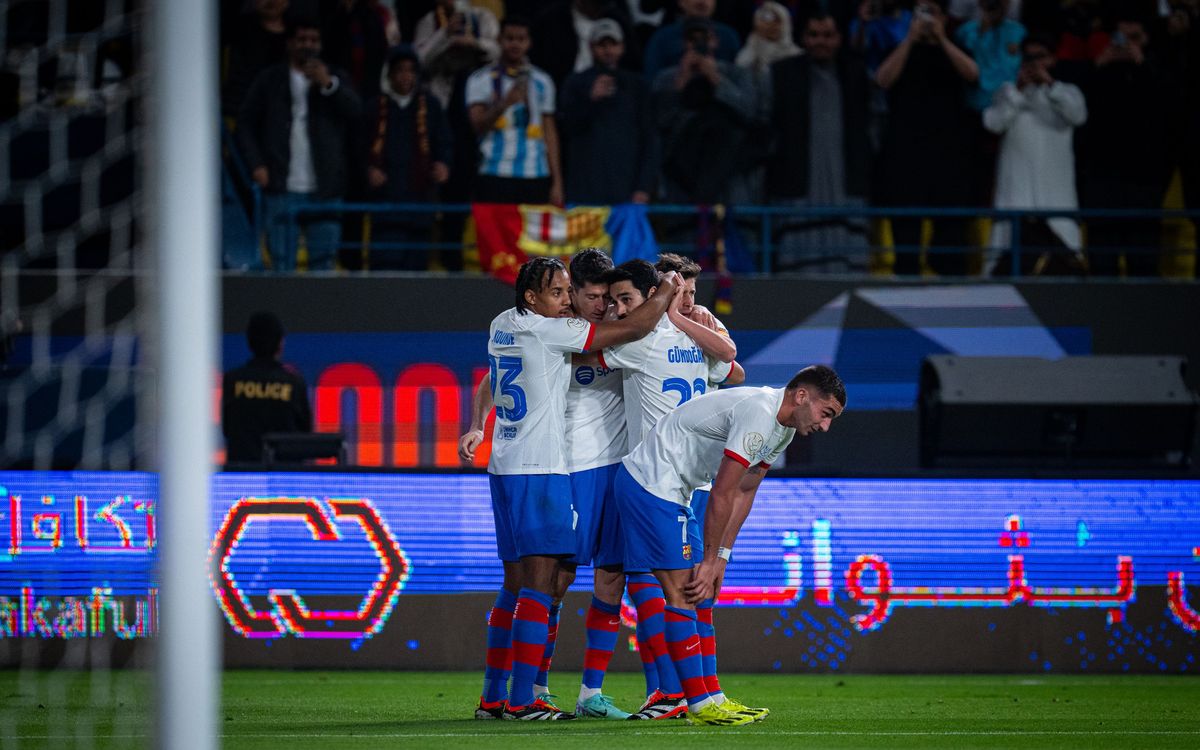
766, 218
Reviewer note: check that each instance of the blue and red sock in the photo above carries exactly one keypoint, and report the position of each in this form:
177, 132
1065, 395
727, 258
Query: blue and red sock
529, 633
649, 666
708, 647
499, 647
647, 596
684, 644
603, 623
541, 683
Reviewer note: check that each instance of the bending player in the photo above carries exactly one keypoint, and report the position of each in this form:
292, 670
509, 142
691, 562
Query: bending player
529, 349
743, 431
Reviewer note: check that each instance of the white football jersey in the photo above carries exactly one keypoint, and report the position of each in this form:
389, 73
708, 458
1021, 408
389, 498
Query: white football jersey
684, 449
596, 434
661, 371
529, 359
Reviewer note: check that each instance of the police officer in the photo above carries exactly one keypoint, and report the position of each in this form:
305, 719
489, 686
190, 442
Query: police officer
263, 395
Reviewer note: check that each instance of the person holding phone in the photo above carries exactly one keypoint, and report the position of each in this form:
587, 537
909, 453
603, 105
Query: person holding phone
292, 129
511, 106
927, 156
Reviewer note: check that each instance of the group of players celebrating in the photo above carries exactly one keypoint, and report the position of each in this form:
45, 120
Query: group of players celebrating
609, 432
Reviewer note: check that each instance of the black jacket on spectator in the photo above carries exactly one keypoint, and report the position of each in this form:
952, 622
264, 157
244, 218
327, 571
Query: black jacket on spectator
556, 43
1124, 143
787, 169
928, 152
611, 144
261, 396
251, 49
265, 123
395, 147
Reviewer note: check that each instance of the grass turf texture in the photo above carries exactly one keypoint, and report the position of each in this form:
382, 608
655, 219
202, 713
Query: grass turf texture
433, 709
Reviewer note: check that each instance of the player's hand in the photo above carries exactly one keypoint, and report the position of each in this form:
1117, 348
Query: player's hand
467, 445
676, 302
707, 578
376, 177
701, 315
261, 176
556, 193
668, 284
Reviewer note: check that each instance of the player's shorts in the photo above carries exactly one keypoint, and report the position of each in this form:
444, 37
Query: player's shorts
534, 515
592, 492
659, 534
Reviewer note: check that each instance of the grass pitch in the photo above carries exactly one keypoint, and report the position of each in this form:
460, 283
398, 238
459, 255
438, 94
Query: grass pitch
433, 709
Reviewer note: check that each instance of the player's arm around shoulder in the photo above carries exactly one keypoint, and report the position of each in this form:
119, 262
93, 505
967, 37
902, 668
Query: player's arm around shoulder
641, 321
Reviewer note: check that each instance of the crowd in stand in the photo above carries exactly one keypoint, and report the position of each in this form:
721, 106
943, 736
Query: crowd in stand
932, 103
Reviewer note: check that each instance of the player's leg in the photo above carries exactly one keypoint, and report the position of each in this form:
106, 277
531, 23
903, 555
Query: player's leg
604, 614
603, 627
541, 683
664, 694
543, 527
683, 641
708, 634
500, 618
663, 537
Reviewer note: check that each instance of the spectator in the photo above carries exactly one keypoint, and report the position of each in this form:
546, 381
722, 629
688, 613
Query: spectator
927, 157
1182, 42
453, 39
355, 37
822, 152
259, 40
668, 44
263, 395
880, 27
961, 11
562, 34
706, 109
612, 154
292, 131
511, 105
1083, 37
1123, 156
769, 42
994, 42
408, 158
1037, 117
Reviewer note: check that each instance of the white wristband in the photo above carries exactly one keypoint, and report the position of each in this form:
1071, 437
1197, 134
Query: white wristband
725, 553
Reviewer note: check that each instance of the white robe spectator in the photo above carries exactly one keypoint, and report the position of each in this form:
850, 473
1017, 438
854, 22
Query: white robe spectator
1036, 167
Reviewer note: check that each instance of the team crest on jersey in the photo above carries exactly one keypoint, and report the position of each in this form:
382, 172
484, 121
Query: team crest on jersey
687, 552
753, 443
577, 323
584, 375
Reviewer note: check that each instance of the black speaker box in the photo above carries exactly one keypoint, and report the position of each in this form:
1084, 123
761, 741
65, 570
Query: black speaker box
1076, 412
